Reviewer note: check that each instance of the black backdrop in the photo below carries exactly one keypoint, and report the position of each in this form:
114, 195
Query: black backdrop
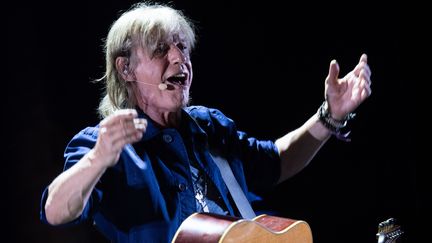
262, 64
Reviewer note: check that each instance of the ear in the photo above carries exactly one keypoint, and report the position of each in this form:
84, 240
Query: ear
122, 66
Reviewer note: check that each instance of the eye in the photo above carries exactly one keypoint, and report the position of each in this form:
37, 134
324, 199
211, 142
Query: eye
161, 49
181, 46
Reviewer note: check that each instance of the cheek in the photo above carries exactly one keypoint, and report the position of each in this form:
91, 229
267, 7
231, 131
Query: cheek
149, 72
146, 75
189, 66
139, 95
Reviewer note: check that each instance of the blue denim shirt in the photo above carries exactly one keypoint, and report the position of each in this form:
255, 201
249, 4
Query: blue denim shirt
149, 192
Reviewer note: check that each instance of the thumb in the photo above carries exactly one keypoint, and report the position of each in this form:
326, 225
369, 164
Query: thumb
333, 72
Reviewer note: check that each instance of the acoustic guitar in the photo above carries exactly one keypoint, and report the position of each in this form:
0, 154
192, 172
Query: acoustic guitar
388, 231
209, 228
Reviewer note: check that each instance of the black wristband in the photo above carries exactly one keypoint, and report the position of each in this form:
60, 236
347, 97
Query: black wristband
332, 124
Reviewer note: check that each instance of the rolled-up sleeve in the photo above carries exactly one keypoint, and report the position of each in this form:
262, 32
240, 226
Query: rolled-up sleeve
260, 158
80, 144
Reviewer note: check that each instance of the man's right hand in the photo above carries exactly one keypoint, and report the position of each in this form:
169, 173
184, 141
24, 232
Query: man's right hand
115, 131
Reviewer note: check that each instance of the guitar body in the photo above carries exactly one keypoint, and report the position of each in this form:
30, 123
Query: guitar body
206, 227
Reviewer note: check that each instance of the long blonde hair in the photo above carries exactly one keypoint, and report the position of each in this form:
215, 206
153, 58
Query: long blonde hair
144, 24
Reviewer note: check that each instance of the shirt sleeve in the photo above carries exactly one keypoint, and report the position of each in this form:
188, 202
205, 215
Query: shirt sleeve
259, 158
80, 144
261, 162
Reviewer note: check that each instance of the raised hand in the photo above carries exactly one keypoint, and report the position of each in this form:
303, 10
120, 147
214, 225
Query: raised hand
115, 131
346, 94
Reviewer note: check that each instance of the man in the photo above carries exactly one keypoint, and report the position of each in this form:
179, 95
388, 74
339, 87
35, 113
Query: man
150, 163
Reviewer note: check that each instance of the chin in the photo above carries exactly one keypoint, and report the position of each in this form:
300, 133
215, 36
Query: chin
178, 106
180, 103
186, 100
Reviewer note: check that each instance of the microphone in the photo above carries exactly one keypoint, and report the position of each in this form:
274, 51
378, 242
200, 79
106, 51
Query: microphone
161, 86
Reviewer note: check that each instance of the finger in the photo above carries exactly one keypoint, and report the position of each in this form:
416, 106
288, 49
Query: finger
126, 128
363, 75
128, 139
365, 89
126, 112
333, 72
120, 139
120, 114
132, 131
135, 137
356, 86
361, 65
366, 92
134, 125
117, 126
367, 70
120, 129
140, 124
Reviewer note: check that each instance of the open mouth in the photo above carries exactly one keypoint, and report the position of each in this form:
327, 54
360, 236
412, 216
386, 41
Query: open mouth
178, 79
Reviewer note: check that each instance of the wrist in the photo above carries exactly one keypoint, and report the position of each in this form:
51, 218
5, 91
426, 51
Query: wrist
95, 160
335, 126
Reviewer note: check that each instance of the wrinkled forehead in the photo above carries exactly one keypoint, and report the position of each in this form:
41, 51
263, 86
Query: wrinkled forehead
165, 30
167, 37
153, 43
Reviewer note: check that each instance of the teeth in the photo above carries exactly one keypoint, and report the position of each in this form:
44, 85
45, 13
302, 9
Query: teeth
180, 75
178, 78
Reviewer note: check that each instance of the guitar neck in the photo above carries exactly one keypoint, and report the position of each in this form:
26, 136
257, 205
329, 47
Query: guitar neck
388, 231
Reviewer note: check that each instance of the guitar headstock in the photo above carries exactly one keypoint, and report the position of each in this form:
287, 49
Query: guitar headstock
388, 231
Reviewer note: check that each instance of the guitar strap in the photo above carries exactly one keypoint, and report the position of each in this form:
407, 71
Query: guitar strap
234, 188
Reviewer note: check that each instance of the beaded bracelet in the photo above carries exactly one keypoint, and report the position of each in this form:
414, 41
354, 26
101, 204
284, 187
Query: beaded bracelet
332, 124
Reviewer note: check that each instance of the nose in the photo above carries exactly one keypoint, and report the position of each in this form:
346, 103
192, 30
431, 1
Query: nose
175, 55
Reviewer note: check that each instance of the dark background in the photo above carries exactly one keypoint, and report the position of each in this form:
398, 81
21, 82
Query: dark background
262, 64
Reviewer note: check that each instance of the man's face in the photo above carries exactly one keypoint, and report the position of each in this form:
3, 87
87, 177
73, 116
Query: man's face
170, 64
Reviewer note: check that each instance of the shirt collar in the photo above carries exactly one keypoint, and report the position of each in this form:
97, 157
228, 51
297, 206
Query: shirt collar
153, 130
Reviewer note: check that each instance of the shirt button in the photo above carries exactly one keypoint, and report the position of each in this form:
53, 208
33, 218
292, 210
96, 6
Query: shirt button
181, 187
167, 138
